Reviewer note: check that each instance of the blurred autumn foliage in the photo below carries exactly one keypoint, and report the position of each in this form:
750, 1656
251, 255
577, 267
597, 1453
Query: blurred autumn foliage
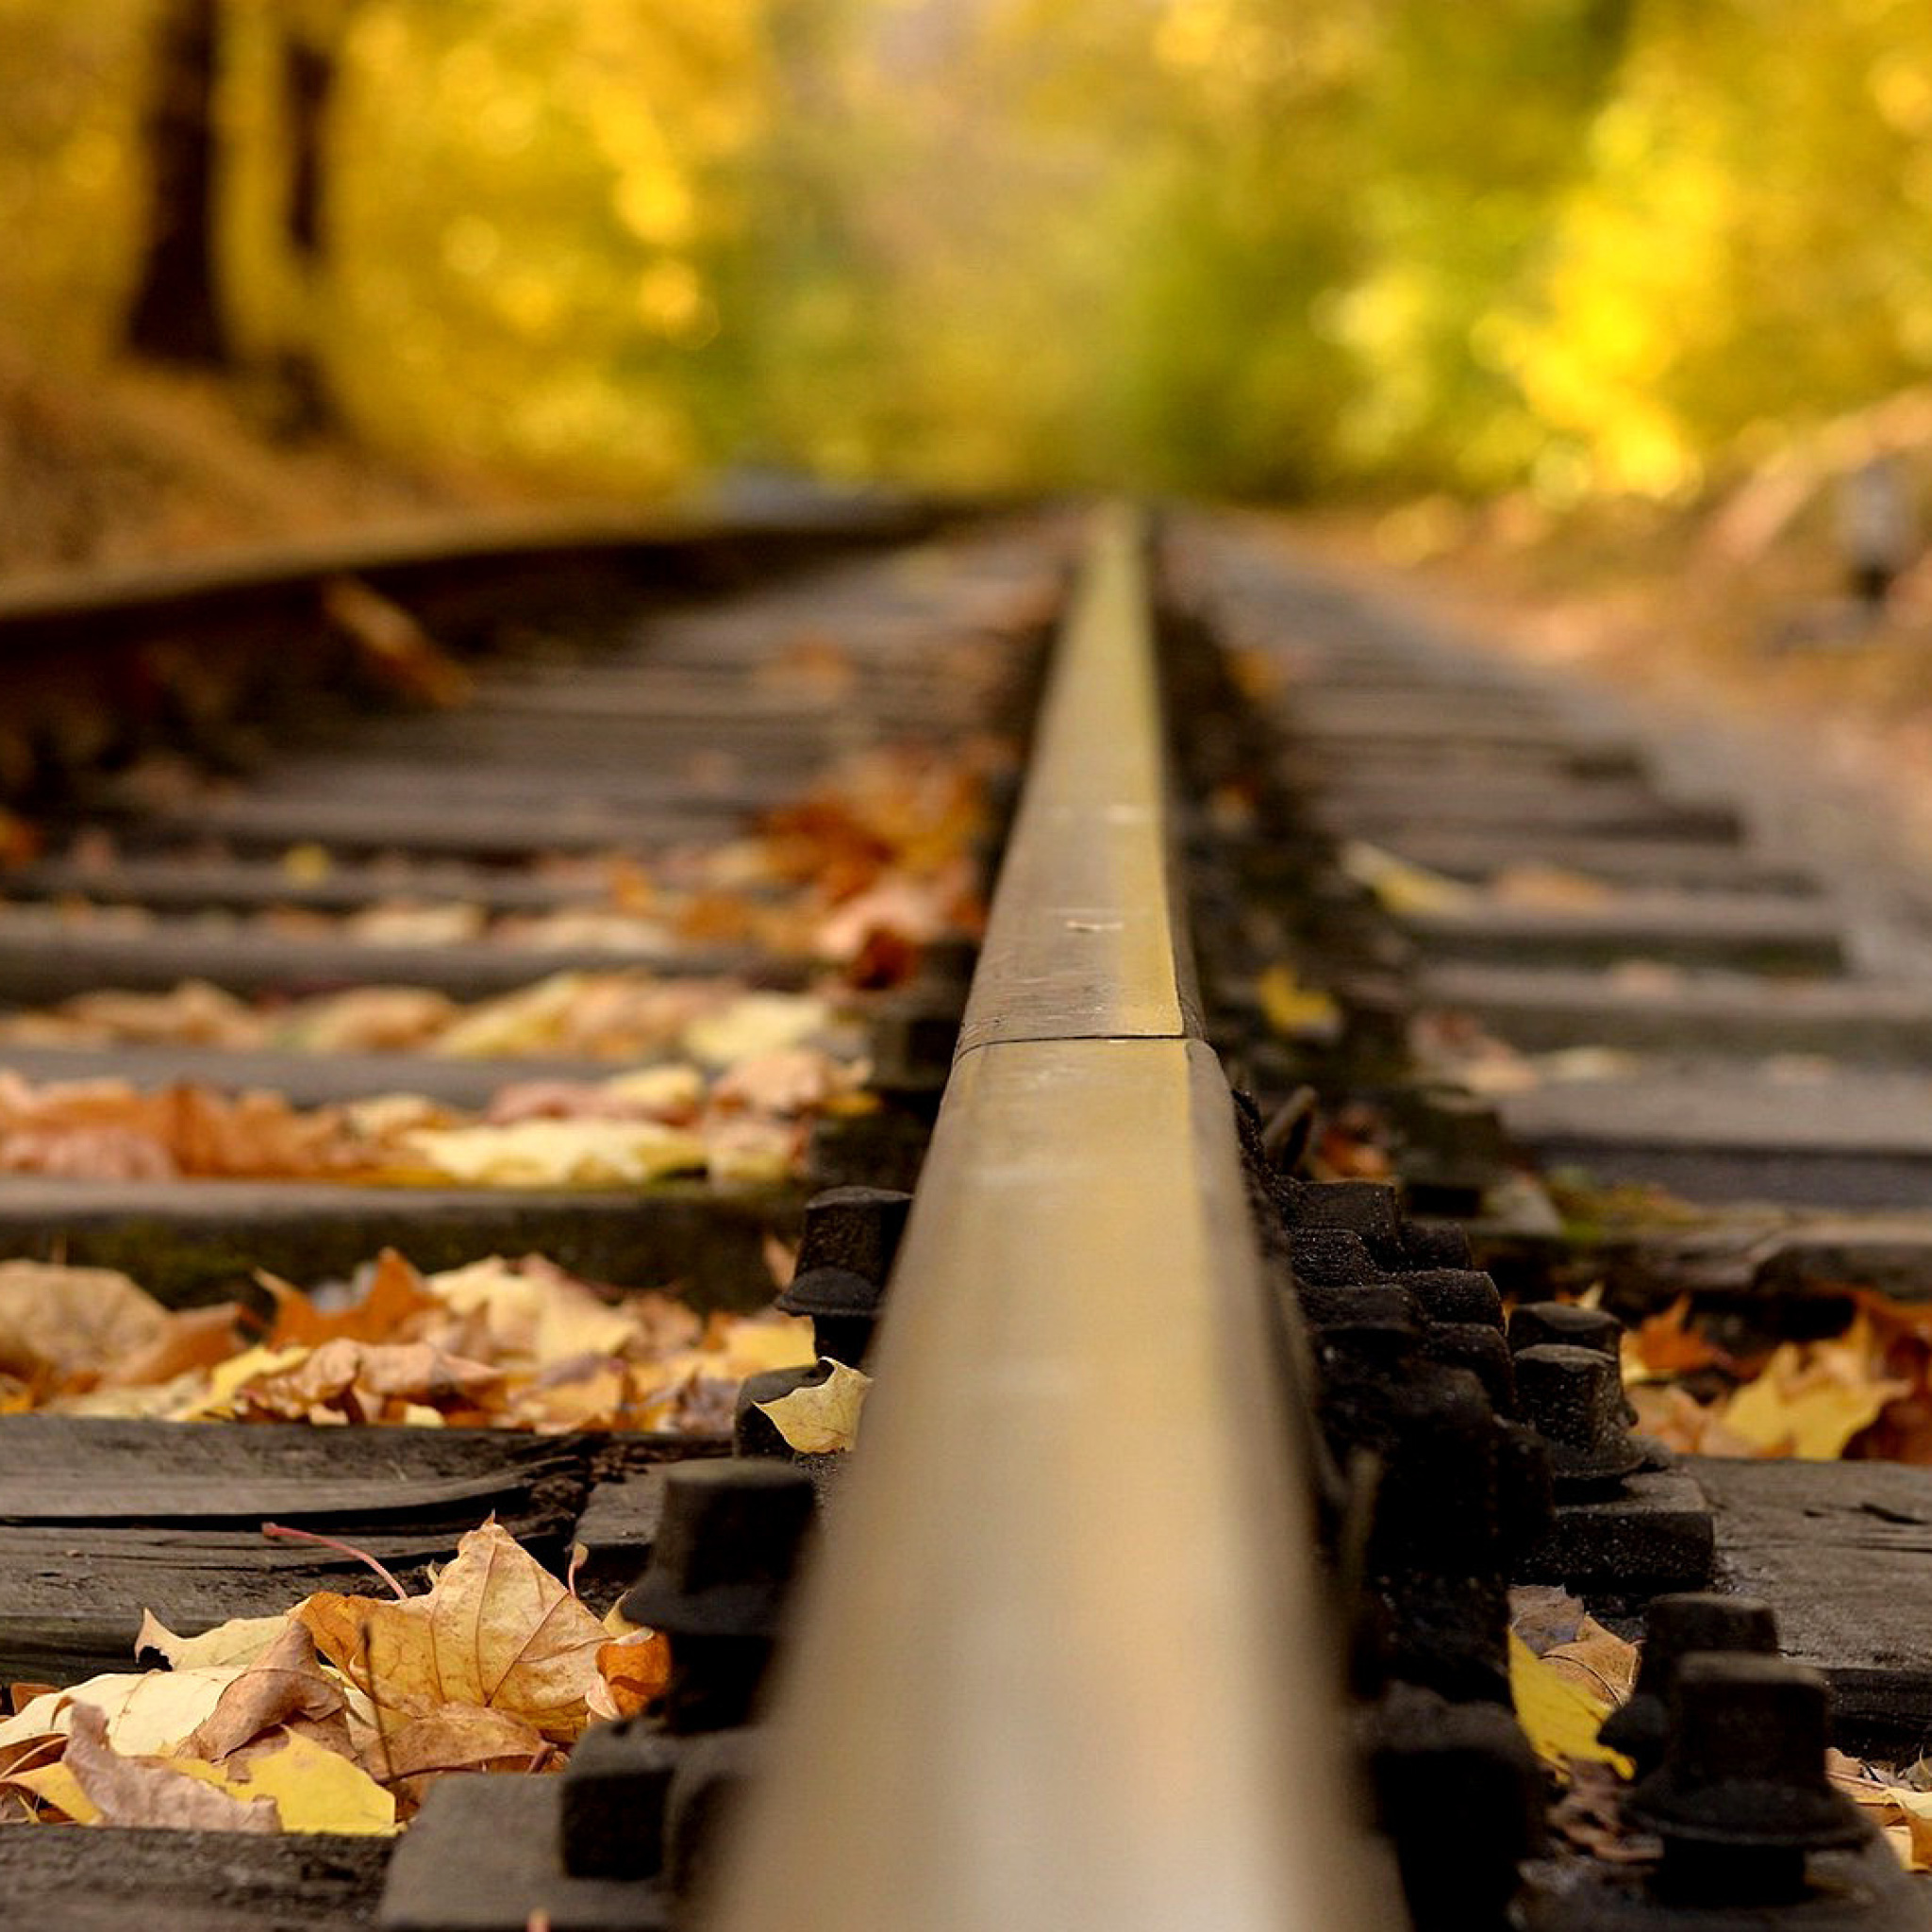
1256, 245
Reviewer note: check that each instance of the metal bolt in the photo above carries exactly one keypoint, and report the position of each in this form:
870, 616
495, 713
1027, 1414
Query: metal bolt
1678, 1627
711, 1777
612, 1802
1742, 1795
731, 1538
1481, 1350
1460, 1792
1332, 1255
1326, 1305
1573, 1398
1455, 1294
1368, 1208
845, 1256
1534, 1324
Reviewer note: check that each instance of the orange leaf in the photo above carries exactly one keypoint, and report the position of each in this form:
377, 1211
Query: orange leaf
396, 1293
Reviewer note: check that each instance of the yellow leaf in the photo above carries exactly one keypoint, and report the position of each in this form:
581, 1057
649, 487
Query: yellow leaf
756, 1024
55, 1785
144, 1711
226, 1381
240, 1640
315, 1788
1810, 1412
1402, 888
741, 1346
823, 1418
540, 1153
1294, 1010
1559, 1717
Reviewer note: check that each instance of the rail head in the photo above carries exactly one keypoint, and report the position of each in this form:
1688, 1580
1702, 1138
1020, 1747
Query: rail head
1085, 938
1062, 1663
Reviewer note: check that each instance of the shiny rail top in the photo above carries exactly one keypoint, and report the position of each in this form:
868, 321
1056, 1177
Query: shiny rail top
1061, 1663
1083, 941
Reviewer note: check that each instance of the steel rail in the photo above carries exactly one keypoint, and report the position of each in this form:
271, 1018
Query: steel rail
1062, 1663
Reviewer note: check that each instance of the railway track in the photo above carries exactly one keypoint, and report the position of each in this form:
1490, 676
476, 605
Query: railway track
1210, 1511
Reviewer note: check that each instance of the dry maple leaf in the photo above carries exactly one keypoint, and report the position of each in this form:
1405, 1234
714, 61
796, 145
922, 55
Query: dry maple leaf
1665, 1344
396, 1293
823, 1416
460, 1737
496, 1630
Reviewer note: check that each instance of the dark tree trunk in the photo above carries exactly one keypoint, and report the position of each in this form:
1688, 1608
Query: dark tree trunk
174, 316
308, 86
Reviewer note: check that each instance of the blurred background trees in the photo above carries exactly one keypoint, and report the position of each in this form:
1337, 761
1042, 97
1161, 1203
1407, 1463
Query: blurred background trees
1260, 246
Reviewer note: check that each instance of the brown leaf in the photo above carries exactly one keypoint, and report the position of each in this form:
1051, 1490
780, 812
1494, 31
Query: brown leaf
70, 1319
497, 1630
152, 1791
283, 1684
193, 1338
460, 1737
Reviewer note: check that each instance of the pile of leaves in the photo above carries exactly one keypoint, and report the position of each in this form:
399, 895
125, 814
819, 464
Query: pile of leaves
337, 1716
515, 1344
1567, 1673
859, 874
1866, 1393
764, 1066
625, 1014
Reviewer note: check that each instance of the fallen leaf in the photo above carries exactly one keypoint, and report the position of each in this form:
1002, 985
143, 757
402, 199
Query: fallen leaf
239, 1642
1401, 887
1597, 1661
496, 1630
71, 1319
55, 1784
314, 1789
543, 1153
460, 1737
754, 1024
635, 1668
282, 1683
1559, 1717
1809, 1402
1666, 1344
130, 1789
823, 1417
1293, 1011
1902, 1813
395, 1293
